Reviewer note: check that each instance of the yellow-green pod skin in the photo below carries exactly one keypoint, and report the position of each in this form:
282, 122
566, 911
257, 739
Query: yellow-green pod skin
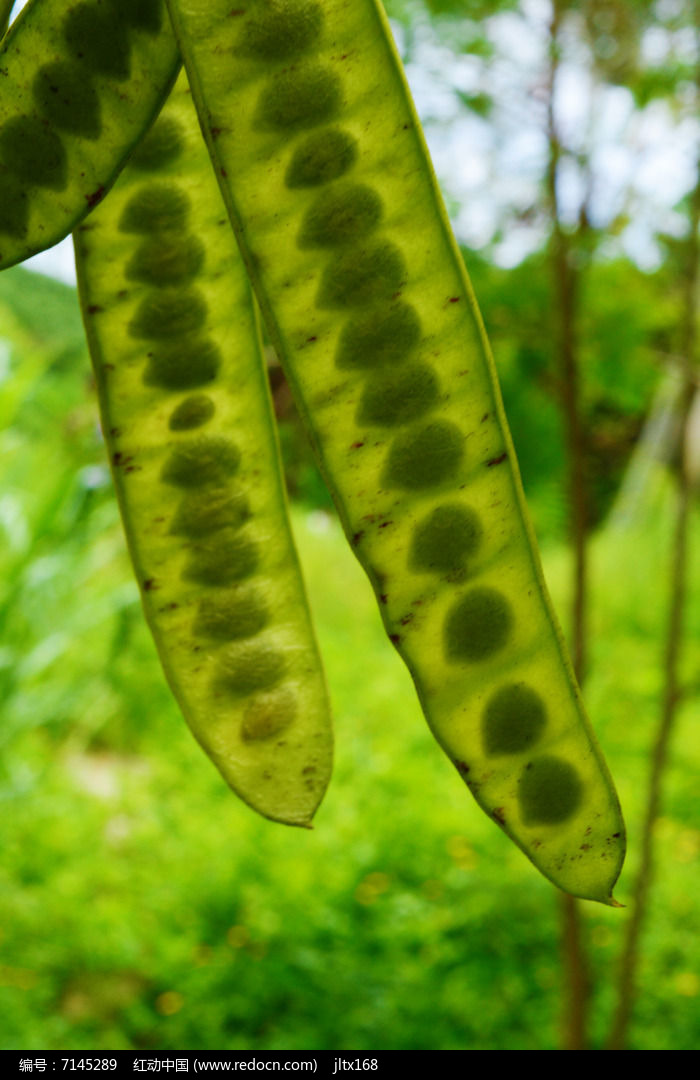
187, 419
79, 84
329, 188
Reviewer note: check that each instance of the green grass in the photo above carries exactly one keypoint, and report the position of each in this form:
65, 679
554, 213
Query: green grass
142, 906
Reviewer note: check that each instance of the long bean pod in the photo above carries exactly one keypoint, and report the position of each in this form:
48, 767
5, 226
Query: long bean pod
187, 418
329, 188
79, 84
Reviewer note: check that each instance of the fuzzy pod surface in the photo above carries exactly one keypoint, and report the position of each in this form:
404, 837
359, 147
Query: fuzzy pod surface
327, 182
187, 418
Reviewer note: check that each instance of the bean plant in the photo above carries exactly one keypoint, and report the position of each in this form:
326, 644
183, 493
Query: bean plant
325, 181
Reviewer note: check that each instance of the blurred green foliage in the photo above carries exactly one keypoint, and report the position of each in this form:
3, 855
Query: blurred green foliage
142, 906
626, 331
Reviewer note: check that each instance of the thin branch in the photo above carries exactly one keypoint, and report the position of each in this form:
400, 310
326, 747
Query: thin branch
627, 985
564, 277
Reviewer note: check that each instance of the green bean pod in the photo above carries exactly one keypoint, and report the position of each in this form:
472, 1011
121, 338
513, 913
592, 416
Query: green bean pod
187, 418
80, 83
329, 188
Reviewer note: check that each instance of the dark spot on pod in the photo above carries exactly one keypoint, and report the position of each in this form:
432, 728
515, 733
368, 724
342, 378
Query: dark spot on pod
513, 720
268, 714
320, 158
221, 559
144, 15
193, 412
300, 97
282, 28
387, 336
93, 199
183, 365
231, 614
162, 145
424, 457
549, 792
155, 207
68, 99
397, 397
341, 216
169, 313
169, 259
206, 460
477, 625
444, 540
250, 666
206, 511
14, 210
99, 38
362, 276
33, 152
